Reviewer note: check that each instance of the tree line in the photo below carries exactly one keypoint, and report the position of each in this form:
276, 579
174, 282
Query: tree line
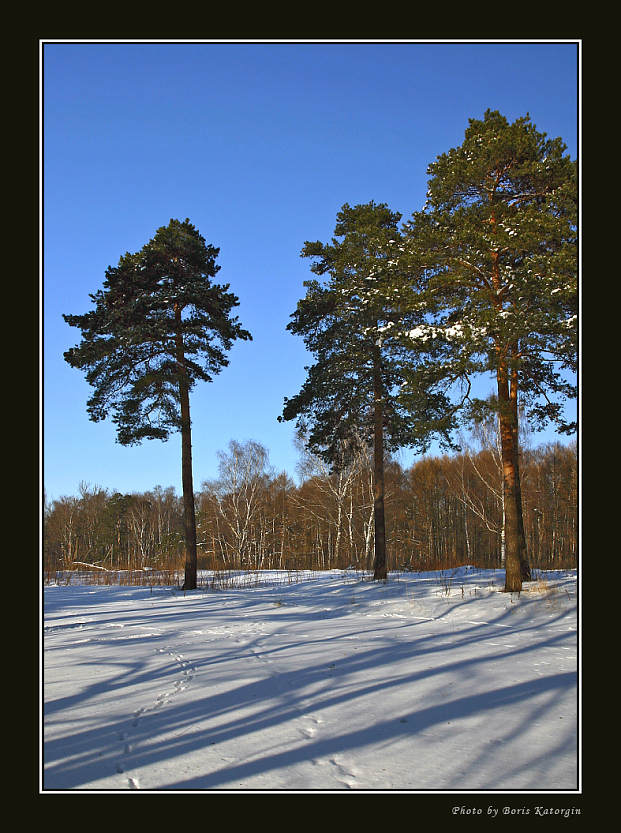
400, 320
444, 511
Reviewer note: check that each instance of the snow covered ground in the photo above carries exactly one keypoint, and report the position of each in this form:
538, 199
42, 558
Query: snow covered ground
428, 682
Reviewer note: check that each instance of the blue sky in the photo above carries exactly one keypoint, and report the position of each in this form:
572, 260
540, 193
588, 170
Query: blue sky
259, 145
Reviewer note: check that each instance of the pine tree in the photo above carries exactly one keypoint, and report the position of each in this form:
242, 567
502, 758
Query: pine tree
159, 325
347, 323
494, 251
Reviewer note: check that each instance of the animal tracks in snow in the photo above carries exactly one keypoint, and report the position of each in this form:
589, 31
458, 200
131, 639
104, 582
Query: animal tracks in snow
179, 685
346, 773
309, 732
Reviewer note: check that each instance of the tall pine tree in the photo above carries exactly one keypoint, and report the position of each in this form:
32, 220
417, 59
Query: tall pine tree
494, 252
347, 323
159, 325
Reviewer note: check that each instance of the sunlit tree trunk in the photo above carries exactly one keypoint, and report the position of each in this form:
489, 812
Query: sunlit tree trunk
379, 567
523, 555
513, 527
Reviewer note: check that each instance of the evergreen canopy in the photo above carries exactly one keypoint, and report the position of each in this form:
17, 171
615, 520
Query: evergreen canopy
157, 320
349, 323
495, 257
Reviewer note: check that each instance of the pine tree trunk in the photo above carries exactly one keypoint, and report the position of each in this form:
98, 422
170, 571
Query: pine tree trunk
189, 517
524, 565
513, 575
380, 569
516, 562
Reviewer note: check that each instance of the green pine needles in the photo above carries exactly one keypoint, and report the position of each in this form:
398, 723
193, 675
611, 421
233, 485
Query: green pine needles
352, 323
495, 254
159, 320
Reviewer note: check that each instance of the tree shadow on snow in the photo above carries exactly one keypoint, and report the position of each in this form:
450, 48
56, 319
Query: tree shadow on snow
275, 698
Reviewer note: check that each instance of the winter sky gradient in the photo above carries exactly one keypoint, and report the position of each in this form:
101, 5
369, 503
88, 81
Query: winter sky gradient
259, 144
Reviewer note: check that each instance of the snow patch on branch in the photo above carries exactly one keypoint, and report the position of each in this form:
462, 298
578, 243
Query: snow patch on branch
424, 332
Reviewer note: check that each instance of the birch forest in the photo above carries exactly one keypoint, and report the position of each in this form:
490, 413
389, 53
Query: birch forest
444, 511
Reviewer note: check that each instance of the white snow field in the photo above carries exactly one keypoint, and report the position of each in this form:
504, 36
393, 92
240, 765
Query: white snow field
313, 682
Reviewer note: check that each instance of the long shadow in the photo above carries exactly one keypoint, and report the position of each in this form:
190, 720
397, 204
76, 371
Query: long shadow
371, 658
408, 724
383, 731
189, 717
346, 667
530, 770
285, 695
